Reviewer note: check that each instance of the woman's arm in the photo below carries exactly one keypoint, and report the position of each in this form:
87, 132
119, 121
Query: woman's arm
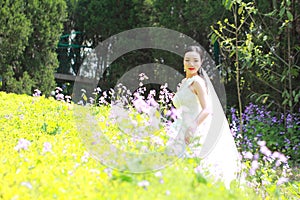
200, 89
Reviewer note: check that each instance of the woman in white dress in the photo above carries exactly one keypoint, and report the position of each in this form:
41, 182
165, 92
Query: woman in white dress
202, 125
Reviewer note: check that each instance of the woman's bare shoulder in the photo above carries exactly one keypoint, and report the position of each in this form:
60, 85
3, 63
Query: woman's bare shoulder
200, 80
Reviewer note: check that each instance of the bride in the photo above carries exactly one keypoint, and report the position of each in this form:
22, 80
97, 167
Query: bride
201, 125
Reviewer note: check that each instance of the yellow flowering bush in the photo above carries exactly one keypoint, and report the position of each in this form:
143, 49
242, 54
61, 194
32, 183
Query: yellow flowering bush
43, 157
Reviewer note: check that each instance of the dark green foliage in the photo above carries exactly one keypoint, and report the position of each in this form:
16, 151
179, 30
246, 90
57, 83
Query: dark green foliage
29, 32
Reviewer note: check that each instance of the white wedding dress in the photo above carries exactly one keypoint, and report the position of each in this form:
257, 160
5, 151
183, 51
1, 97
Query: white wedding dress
212, 141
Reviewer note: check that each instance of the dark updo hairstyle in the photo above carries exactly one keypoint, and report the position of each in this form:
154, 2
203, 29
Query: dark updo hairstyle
198, 50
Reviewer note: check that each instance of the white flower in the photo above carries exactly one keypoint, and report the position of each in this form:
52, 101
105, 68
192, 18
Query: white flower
85, 157
158, 174
26, 184
143, 183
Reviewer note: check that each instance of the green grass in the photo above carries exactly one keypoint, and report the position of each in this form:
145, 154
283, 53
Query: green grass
67, 172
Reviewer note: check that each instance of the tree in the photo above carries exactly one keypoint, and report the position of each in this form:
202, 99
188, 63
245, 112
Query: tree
15, 30
261, 52
29, 35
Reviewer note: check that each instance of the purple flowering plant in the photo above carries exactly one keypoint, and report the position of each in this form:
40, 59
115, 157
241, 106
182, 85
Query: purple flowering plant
268, 146
260, 124
137, 119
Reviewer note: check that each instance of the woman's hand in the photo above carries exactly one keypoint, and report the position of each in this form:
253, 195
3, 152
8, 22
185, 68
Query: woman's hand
189, 134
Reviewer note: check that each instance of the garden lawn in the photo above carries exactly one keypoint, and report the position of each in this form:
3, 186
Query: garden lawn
42, 157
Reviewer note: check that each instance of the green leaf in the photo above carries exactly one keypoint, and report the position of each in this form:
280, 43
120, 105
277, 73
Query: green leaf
213, 38
284, 102
282, 10
283, 78
227, 4
290, 103
289, 15
240, 10
296, 99
271, 13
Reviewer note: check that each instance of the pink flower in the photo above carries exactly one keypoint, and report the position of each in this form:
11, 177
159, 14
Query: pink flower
141, 105
198, 170
151, 101
265, 151
60, 96
276, 154
248, 155
37, 93
282, 158
173, 113
47, 147
261, 143
282, 180
254, 167
22, 144
58, 89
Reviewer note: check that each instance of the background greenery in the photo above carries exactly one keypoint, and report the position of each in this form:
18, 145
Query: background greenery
255, 44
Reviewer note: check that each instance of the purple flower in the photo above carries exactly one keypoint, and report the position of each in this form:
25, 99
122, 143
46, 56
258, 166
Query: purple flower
37, 93
151, 101
22, 144
198, 170
261, 143
282, 180
140, 104
264, 150
47, 147
60, 96
143, 76
248, 155
173, 113
58, 90
276, 154
254, 164
108, 171
254, 167
274, 120
282, 158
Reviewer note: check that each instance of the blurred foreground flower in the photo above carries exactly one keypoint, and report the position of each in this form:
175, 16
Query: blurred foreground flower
282, 180
47, 147
22, 144
144, 184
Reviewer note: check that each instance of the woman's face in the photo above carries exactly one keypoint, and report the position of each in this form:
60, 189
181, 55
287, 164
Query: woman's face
192, 62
